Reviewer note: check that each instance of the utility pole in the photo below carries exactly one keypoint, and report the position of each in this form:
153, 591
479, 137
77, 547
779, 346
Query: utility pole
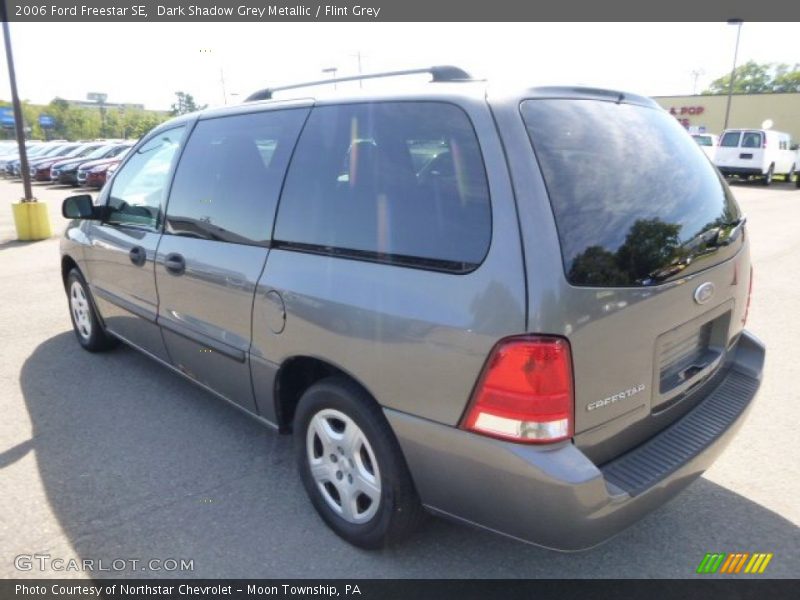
696, 73
18, 124
222, 81
332, 71
738, 23
358, 59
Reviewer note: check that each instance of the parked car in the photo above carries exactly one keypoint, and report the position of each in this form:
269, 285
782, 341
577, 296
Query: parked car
93, 173
66, 171
761, 153
517, 339
708, 142
13, 168
797, 163
40, 170
11, 159
13, 154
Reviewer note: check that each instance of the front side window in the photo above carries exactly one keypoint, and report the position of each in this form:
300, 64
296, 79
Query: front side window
398, 182
137, 189
229, 176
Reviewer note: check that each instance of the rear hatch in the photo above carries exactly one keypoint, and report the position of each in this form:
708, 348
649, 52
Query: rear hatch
740, 149
655, 274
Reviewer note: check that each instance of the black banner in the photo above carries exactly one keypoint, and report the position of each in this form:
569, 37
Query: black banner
372, 589
394, 10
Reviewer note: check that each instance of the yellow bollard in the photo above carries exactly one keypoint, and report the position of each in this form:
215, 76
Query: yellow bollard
32, 221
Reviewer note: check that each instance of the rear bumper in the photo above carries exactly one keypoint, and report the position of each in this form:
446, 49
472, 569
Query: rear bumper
742, 171
555, 496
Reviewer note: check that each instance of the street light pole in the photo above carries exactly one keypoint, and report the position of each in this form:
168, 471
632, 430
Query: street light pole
738, 23
332, 71
18, 124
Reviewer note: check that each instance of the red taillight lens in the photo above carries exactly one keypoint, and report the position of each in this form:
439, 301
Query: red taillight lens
749, 295
524, 392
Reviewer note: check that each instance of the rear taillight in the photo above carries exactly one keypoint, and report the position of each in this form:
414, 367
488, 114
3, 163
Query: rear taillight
525, 392
749, 295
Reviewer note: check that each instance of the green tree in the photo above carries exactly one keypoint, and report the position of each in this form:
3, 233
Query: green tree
185, 104
649, 245
787, 79
755, 78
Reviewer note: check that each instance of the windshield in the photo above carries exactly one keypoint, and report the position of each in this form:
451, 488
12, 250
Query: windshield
703, 140
100, 152
636, 201
53, 150
38, 150
66, 150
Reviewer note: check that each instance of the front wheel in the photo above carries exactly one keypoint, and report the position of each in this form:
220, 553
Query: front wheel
352, 467
88, 328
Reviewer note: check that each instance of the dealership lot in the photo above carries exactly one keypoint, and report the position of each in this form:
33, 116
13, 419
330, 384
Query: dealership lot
113, 457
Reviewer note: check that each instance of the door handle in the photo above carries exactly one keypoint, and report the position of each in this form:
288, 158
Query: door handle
137, 255
174, 263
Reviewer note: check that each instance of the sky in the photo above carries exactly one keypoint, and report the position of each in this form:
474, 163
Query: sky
146, 63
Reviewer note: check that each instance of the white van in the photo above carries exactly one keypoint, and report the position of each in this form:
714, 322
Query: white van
708, 143
759, 153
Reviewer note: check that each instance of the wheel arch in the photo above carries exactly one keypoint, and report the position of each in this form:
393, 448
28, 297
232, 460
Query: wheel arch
298, 373
67, 264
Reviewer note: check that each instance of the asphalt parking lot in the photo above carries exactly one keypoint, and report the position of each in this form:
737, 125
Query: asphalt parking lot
113, 457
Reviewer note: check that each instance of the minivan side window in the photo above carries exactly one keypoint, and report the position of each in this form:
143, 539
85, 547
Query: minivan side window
396, 182
137, 188
229, 176
730, 139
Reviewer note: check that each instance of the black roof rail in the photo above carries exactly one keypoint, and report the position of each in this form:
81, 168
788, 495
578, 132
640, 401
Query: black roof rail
439, 73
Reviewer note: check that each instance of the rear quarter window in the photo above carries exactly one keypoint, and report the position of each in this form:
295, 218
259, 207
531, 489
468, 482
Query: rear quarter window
636, 201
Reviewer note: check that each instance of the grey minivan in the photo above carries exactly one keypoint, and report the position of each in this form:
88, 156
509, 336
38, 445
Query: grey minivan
522, 311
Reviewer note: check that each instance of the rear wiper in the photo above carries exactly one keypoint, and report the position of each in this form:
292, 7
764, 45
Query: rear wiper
732, 231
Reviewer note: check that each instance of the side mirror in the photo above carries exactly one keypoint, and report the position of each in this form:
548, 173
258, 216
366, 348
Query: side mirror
78, 207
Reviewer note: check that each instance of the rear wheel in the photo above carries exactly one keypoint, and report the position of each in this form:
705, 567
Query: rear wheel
352, 467
88, 328
767, 180
791, 175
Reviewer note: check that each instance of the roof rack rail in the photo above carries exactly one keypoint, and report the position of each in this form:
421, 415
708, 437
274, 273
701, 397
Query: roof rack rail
439, 73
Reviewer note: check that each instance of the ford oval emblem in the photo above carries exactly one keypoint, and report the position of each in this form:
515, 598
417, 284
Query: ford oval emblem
704, 292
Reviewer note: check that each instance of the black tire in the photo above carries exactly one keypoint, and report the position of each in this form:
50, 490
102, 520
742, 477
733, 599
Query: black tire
399, 512
767, 180
791, 176
87, 326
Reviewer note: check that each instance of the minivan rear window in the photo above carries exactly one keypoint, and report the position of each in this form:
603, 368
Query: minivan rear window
635, 199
